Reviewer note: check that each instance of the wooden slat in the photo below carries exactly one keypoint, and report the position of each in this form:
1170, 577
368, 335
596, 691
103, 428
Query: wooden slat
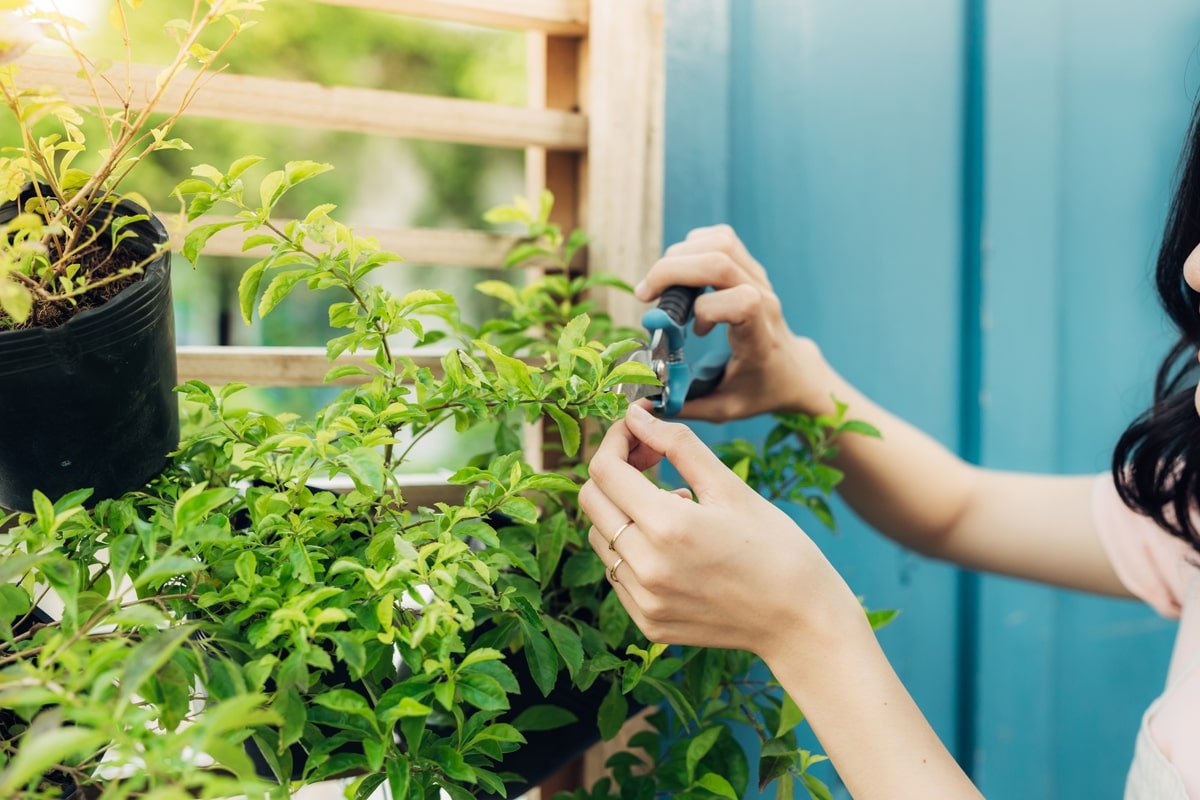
272, 366
278, 367
459, 248
312, 106
419, 489
558, 17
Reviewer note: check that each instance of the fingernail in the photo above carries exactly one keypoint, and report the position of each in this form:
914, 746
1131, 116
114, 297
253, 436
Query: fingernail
640, 290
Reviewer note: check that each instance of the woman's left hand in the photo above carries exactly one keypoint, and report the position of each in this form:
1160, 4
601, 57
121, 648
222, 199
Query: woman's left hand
727, 570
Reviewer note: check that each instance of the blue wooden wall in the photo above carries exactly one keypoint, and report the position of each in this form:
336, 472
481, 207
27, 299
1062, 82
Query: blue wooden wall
960, 200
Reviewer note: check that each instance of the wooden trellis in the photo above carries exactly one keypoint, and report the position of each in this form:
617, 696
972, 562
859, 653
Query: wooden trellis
592, 132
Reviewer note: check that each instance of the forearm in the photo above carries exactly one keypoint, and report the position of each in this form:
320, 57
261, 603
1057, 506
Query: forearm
905, 484
914, 490
869, 726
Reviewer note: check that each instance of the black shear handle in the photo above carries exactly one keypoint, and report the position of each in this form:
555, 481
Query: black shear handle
677, 303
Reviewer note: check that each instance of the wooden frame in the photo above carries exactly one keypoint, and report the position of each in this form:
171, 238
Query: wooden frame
592, 133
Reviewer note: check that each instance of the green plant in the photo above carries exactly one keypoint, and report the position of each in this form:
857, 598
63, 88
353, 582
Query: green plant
62, 251
234, 600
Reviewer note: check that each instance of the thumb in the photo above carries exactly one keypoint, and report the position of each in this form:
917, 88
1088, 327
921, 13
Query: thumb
698, 465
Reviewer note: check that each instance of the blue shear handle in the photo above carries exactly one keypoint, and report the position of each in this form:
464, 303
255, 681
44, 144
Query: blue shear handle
683, 380
673, 314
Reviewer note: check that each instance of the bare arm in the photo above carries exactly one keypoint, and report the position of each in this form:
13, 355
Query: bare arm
909, 486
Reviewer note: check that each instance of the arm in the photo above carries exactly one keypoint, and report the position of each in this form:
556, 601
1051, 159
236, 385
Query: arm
724, 571
909, 486
906, 485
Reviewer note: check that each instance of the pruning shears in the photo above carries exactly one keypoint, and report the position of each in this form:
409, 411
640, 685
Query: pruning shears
665, 355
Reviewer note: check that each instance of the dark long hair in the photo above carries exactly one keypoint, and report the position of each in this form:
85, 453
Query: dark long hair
1156, 463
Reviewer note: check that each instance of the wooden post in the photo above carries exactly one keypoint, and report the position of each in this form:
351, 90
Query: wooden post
623, 179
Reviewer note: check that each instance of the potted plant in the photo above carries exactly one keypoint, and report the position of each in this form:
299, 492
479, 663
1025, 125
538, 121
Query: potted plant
229, 602
87, 347
231, 628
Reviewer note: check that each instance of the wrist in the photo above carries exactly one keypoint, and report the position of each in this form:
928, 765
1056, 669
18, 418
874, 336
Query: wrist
830, 620
813, 382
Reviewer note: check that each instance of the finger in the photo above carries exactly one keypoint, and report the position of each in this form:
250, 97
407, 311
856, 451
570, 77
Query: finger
714, 269
642, 457
628, 489
608, 521
626, 574
742, 307
720, 238
699, 466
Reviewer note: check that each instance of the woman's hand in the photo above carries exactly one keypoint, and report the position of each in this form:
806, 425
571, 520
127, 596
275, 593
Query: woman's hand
731, 571
728, 570
770, 368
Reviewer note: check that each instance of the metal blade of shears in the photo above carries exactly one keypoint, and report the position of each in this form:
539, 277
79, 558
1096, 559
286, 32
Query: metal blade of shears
654, 356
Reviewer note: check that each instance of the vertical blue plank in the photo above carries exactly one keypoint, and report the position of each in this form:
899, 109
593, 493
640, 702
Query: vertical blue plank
846, 135
1087, 103
840, 170
1014, 681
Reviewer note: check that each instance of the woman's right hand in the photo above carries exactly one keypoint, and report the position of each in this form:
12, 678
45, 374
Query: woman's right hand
770, 369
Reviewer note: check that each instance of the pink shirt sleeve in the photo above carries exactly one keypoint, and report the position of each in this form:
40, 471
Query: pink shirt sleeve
1161, 569
1151, 563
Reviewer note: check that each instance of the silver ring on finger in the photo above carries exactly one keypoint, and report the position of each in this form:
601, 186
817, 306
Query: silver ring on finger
612, 571
612, 543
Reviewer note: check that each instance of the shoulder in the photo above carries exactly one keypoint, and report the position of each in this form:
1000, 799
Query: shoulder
1152, 564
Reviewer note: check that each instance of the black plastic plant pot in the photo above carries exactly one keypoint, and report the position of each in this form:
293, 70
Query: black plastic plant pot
91, 403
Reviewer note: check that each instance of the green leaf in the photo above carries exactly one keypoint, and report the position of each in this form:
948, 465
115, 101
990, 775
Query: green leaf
614, 710
501, 290
698, 748
789, 716
511, 370
345, 702
279, 288
542, 657
148, 658
674, 696
290, 708
197, 502
544, 718
630, 372
520, 509
12, 566
44, 510
482, 691
41, 749
568, 428
241, 165
817, 790
248, 288
368, 785
717, 785
614, 619
452, 763
525, 251
198, 237
882, 617
296, 172
271, 188
398, 775
583, 569
365, 465
167, 567
567, 642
